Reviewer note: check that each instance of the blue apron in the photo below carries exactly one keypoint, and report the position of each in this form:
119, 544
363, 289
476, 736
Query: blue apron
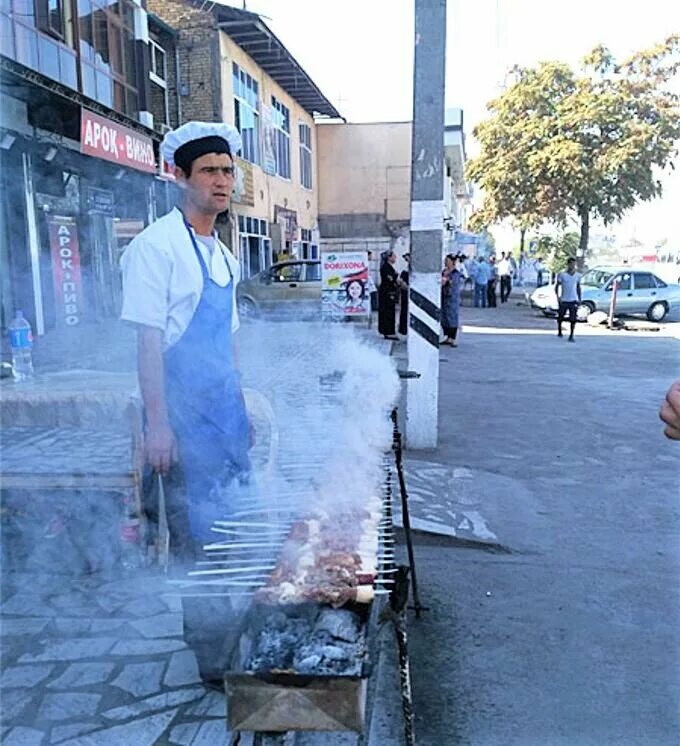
205, 403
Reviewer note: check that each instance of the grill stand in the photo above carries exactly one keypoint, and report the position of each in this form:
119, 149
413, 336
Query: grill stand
406, 518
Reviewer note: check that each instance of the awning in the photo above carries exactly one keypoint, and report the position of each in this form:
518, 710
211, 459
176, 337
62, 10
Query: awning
253, 35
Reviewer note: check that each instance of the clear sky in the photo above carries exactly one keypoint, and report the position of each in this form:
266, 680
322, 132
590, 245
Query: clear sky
360, 54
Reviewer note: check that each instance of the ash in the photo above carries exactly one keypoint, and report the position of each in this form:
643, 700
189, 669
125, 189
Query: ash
330, 644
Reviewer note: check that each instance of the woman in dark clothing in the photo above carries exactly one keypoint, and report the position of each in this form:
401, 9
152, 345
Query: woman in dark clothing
452, 283
387, 295
403, 298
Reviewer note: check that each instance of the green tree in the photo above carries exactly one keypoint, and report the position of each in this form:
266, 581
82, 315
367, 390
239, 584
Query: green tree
556, 250
590, 143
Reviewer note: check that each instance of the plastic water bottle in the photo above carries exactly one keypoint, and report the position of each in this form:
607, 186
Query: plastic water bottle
21, 342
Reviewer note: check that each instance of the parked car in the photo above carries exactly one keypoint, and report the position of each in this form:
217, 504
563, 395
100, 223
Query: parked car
639, 292
285, 290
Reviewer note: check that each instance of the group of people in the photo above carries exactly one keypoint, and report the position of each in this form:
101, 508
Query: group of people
393, 289
485, 275
482, 274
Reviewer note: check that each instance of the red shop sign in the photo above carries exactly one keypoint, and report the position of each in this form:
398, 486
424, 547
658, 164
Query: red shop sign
105, 139
68, 285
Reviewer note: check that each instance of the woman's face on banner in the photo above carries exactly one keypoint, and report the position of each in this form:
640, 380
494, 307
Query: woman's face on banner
354, 290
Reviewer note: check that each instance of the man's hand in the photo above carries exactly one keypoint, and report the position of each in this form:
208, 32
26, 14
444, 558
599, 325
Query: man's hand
670, 411
160, 448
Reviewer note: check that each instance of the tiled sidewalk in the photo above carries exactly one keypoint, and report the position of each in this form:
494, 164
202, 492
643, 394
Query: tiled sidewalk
96, 660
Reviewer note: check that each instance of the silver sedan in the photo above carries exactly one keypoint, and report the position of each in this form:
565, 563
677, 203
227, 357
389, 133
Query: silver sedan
638, 292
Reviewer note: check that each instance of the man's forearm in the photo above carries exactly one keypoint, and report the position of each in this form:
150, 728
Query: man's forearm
151, 375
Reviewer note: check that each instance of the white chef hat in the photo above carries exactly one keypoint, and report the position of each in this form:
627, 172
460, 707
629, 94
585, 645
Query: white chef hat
194, 139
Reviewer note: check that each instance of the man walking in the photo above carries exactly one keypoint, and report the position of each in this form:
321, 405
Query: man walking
179, 291
568, 291
505, 273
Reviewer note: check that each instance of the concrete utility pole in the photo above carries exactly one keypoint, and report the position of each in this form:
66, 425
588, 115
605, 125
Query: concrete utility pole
427, 223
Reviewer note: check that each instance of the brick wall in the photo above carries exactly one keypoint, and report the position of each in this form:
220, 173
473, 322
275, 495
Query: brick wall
199, 61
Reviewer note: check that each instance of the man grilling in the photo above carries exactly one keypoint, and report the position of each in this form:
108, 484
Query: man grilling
179, 283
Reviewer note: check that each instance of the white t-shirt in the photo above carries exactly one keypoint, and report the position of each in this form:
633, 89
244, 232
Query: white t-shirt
569, 284
162, 278
504, 267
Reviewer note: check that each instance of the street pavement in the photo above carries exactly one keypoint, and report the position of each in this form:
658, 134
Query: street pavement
556, 621
548, 558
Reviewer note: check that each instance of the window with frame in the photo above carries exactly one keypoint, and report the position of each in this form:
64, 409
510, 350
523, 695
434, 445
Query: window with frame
49, 17
308, 250
158, 68
39, 34
305, 132
247, 113
108, 56
255, 245
281, 122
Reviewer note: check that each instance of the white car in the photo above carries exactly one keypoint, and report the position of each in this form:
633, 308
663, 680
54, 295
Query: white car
639, 292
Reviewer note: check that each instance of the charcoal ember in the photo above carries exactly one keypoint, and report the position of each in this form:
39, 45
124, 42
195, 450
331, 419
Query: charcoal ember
276, 644
335, 653
309, 664
342, 624
324, 656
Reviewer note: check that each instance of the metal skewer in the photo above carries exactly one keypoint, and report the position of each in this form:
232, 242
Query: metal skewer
231, 570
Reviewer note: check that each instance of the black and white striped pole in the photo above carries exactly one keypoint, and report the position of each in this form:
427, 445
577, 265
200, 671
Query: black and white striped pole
427, 223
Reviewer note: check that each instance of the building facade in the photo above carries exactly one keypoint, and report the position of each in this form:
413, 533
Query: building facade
365, 184
232, 68
87, 91
77, 157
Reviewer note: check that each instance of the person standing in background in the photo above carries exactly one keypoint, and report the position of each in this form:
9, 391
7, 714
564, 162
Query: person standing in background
491, 282
387, 295
538, 266
452, 284
521, 269
372, 285
505, 273
481, 278
403, 296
